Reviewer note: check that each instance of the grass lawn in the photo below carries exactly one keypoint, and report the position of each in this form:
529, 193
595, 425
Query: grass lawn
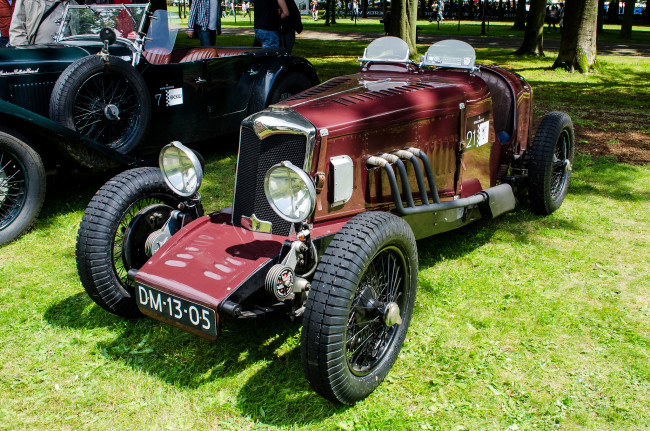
524, 322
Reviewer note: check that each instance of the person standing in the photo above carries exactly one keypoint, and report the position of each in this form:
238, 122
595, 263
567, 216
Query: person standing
289, 26
441, 10
355, 10
231, 8
204, 21
314, 10
266, 21
36, 22
6, 11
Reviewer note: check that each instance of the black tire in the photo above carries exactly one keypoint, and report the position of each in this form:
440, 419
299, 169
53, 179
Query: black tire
22, 185
101, 264
106, 101
344, 295
550, 162
290, 84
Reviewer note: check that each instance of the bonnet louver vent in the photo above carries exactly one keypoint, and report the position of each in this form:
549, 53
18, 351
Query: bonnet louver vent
319, 89
375, 95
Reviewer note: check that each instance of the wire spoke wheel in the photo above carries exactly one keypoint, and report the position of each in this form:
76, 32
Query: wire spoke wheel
560, 162
106, 109
550, 160
13, 188
105, 100
368, 336
113, 233
22, 185
359, 307
120, 263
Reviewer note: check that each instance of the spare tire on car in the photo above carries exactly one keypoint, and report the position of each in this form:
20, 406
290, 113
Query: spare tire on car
105, 100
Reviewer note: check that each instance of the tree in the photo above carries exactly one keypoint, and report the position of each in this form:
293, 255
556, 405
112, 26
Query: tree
578, 44
601, 16
403, 20
628, 14
533, 43
520, 16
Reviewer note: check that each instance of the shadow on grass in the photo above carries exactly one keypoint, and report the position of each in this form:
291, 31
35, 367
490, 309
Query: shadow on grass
603, 176
271, 395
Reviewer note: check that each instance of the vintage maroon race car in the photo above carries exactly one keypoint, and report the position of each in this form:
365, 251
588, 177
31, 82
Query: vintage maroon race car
333, 188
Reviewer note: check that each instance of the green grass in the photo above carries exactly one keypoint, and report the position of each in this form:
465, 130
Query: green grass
523, 322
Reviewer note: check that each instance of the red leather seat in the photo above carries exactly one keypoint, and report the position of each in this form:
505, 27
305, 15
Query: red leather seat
199, 54
227, 52
158, 56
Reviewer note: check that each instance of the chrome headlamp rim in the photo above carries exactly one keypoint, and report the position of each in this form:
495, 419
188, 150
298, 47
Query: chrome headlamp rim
306, 179
195, 162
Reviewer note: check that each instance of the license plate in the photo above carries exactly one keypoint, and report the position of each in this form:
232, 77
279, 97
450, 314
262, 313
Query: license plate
177, 309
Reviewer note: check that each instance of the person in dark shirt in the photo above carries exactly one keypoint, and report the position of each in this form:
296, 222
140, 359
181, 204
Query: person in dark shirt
289, 26
266, 22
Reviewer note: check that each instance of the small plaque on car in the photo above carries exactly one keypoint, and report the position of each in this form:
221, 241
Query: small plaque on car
180, 310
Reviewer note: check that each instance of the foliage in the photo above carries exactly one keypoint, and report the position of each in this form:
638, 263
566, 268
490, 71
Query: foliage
524, 322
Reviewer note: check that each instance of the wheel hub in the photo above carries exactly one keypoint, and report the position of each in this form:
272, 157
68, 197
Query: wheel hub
567, 166
112, 112
392, 314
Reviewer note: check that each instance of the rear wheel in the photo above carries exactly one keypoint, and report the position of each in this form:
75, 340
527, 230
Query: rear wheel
359, 307
289, 85
22, 185
550, 163
113, 233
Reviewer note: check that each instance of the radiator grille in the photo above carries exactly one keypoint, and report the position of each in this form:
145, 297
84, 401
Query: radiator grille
255, 158
33, 96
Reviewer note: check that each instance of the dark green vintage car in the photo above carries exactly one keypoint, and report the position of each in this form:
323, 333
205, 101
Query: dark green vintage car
112, 89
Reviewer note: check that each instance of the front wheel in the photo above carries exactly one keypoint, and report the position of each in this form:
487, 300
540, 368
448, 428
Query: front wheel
359, 307
114, 229
550, 163
22, 185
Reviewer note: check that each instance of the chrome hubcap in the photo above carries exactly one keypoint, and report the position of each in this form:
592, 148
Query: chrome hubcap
112, 112
391, 314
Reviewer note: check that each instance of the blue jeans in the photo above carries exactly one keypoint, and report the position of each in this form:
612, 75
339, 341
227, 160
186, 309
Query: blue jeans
268, 39
206, 37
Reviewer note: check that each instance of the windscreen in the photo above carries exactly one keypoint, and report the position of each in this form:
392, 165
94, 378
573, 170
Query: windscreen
387, 48
90, 19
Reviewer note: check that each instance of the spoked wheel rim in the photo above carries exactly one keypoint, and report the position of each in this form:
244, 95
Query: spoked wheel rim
120, 265
561, 165
375, 312
106, 109
13, 188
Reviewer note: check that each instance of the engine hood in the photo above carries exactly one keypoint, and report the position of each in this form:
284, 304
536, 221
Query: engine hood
369, 100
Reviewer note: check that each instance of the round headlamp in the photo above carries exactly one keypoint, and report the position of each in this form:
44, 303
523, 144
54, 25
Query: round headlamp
181, 169
290, 192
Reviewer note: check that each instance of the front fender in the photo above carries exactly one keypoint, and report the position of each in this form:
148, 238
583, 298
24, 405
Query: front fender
45, 134
272, 72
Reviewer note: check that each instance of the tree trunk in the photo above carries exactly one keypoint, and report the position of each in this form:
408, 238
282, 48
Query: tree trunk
328, 5
403, 20
578, 44
628, 14
520, 16
364, 5
533, 43
601, 16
